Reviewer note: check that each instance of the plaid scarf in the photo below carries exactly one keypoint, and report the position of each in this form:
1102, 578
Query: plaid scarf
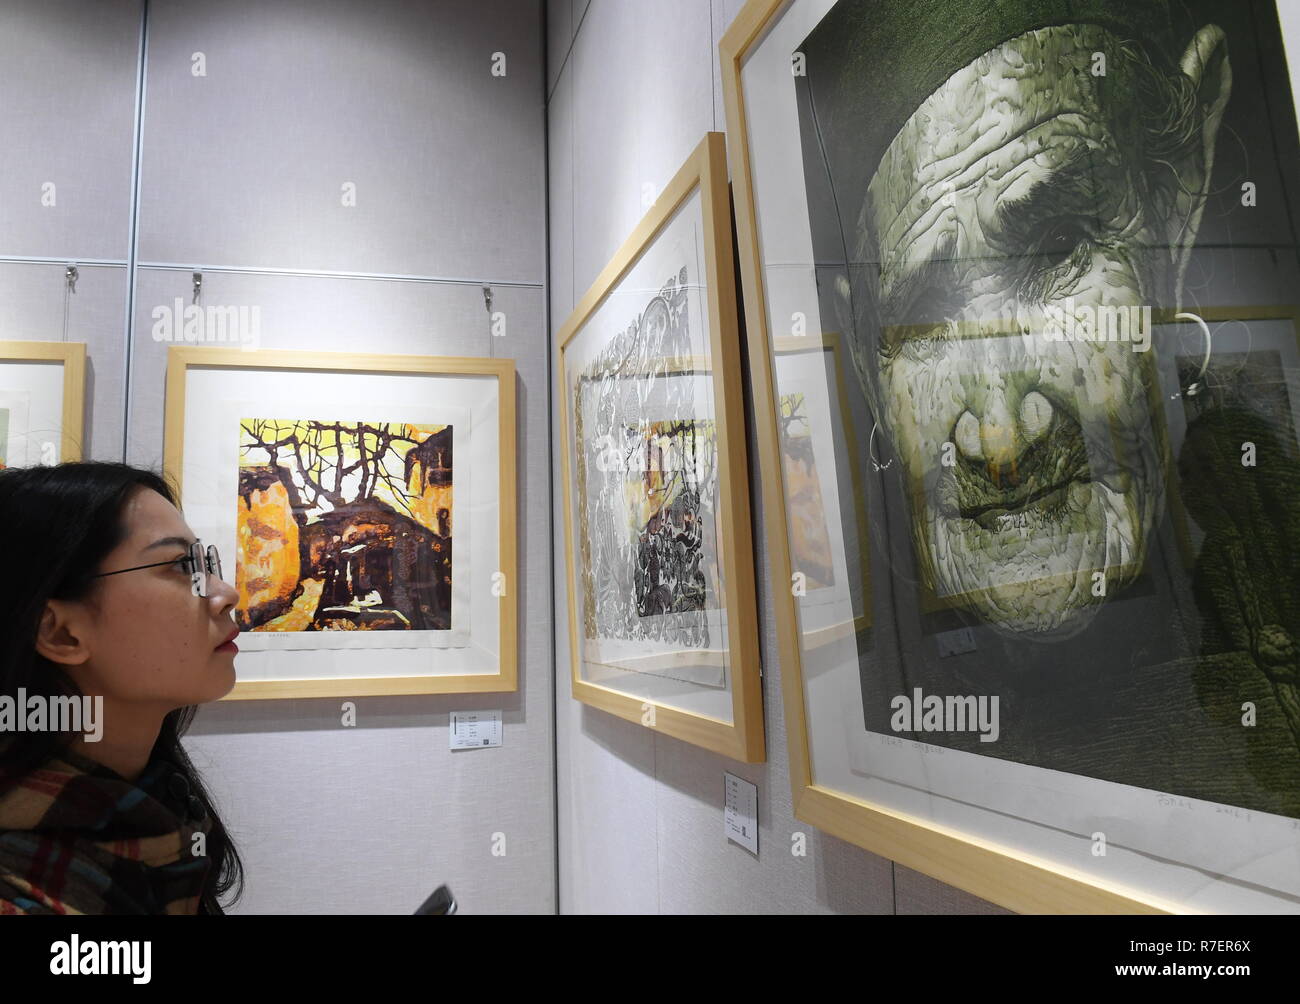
78, 838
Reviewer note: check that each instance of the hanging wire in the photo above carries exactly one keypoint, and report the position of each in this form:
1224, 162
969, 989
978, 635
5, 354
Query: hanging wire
70, 276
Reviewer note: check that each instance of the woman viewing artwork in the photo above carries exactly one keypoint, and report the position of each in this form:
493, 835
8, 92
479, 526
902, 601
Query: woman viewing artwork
117, 627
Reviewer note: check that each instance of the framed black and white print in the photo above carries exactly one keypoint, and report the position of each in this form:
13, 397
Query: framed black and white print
660, 565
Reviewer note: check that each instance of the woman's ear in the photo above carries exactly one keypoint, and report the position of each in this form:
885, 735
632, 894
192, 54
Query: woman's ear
61, 636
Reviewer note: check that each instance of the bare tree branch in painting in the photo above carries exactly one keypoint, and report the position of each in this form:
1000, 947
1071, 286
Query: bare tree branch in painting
320, 463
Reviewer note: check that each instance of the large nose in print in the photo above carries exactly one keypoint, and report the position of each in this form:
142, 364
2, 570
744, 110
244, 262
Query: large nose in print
997, 439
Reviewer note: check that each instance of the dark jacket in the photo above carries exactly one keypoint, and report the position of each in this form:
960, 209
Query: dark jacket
78, 838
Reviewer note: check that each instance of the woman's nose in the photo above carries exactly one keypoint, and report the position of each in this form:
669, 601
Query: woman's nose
222, 594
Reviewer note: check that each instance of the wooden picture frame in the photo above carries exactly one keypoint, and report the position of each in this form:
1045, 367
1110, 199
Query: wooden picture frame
714, 365
72, 357
414, 380
1001, 872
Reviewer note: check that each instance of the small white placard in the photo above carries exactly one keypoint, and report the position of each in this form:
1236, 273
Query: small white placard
475, 729
740, 818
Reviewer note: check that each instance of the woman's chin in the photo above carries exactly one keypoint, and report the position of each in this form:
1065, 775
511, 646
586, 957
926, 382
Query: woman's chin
223, 676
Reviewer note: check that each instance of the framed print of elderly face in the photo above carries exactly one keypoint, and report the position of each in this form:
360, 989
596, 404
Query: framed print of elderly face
1058, 240
659, 559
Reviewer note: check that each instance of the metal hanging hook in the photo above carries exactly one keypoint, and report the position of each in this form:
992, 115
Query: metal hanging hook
198, 285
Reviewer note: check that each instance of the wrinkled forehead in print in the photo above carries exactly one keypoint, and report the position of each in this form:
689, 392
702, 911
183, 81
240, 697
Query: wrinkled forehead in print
1012, 165
869, 64
907, 108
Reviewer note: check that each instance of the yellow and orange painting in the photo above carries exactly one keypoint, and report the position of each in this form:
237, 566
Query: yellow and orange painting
810, 541
343, 526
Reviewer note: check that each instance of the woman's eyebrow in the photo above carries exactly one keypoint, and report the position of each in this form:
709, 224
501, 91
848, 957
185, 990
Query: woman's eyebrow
169, 542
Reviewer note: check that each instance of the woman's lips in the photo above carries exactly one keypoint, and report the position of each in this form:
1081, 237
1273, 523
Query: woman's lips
229, 644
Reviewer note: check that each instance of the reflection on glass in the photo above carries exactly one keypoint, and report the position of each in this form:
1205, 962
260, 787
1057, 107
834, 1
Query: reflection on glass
1070, 507
647, 488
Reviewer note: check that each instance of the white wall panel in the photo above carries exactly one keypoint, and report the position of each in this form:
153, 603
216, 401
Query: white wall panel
68, 77
246, 165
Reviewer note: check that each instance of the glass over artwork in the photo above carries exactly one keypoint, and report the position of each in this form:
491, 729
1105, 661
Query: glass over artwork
1059, 247
647, 481
647, 478
41, 396
660, 596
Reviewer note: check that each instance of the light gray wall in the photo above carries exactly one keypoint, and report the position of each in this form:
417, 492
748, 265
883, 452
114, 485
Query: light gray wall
243, 168
633, 86
68, 73
68, 78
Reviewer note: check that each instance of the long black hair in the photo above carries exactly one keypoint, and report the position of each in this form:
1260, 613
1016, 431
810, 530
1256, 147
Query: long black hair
61, 522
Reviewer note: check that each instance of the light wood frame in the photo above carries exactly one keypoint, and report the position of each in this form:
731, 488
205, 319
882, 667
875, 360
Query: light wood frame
73, 357
180, 359
742, 738
995, 872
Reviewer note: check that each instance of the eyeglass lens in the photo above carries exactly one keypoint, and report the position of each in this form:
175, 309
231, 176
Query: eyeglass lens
203, 563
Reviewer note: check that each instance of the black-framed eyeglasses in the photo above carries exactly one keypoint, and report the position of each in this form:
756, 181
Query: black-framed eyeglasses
200, 563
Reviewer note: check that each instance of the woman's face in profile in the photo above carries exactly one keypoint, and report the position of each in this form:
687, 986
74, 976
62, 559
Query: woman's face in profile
150, 639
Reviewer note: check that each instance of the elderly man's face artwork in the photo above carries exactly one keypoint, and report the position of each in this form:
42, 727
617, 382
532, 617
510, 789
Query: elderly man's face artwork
1025, 190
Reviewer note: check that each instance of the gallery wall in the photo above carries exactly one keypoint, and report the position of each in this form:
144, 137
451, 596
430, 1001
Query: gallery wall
240, 175
632, 88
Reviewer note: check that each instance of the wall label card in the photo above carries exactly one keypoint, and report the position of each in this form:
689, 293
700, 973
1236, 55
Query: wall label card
740, 817
471, 730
